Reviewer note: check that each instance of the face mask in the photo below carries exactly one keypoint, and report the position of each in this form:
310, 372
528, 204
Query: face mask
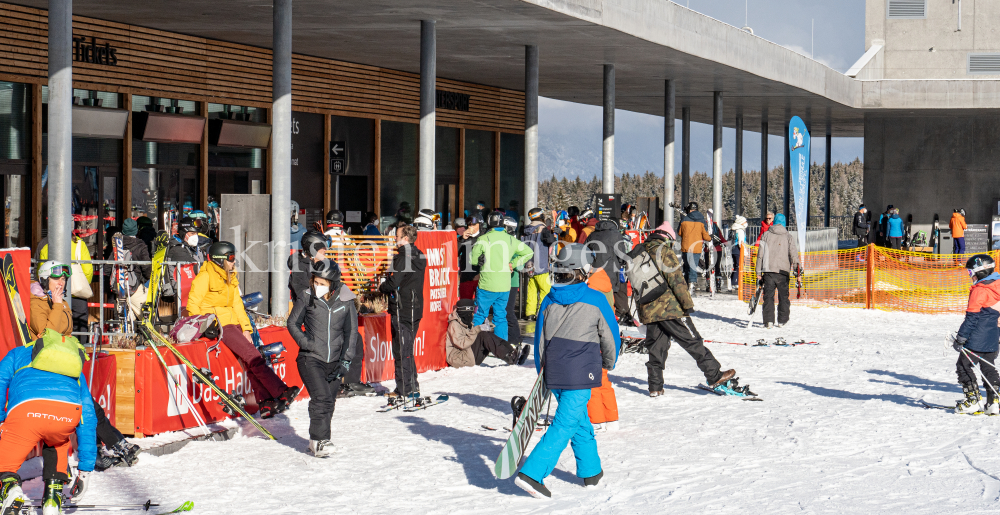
192, 240
321, 290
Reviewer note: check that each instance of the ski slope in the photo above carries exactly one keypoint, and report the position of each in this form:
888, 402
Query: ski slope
839, 431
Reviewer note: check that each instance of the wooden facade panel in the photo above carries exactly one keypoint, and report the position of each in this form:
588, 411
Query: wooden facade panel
157, 63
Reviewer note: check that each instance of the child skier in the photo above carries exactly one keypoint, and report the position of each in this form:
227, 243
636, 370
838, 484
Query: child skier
47, 401
326, 349
576, 336
979, 334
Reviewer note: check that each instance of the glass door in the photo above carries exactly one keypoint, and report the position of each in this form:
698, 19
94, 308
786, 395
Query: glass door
95, 204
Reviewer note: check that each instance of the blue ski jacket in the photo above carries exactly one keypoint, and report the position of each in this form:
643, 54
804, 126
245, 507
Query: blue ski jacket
26, 384
895, 226
576, 334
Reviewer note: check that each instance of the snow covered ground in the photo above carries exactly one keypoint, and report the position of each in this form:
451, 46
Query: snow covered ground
839, 431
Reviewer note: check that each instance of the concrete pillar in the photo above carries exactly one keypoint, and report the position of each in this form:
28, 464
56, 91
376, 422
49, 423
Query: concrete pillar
717, 159
669, 111
608, 180
281, 152
739, 166
428, 104
60, 168
530, 127
787, 182
685, 156
763, 166
826, 201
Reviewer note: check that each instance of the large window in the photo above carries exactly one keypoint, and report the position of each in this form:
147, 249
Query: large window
478, 169
446, 173
512, 174
353, 192
15, 154
399, 169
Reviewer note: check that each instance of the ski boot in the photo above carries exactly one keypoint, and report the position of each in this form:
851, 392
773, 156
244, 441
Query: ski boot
238, 399
52, 502
269, 408
121, 453
992, 408
285, 399
11, 495
972, 403
321, 448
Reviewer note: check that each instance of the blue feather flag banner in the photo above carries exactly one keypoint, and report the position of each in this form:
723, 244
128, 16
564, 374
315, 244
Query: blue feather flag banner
799, 146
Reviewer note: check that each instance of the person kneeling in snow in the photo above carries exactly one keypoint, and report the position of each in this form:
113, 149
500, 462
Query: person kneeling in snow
47, 401
467, 345
326, 347
575, 337
977, 338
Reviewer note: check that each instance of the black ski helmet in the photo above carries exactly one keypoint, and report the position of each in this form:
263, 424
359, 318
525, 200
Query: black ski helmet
312, 242
222, 251
494, 219
334, 217
980, 265
326, 269
188, 224
573, 211
536, 214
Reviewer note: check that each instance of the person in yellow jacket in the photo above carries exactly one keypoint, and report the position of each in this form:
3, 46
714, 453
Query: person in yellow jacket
78, 252
216, 290
958, 226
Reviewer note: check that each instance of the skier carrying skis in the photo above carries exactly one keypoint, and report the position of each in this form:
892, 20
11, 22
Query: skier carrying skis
979, 334
669, 316
326, 346
47, 401
576, 337
216, 290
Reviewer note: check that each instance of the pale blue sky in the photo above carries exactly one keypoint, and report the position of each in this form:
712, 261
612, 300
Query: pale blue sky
838, 42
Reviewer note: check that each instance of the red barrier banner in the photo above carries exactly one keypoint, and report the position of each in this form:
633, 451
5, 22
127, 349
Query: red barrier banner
376, 337
161, 404
103, 384
22, 267
440, 296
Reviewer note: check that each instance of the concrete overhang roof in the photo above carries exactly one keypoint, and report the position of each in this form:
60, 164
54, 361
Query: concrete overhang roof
648, 41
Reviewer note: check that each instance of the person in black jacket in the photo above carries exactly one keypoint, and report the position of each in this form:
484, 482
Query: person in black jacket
468, 272
861, 225
405, 288
187, 246
326, 346
609, 248
312, 250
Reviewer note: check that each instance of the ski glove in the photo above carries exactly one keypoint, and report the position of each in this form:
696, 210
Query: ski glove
341, 371
957, 342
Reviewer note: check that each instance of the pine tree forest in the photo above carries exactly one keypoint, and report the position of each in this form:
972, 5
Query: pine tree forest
847, 179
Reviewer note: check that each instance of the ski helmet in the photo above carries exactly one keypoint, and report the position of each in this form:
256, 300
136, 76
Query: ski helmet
198, 214
188, 224
424, 221
222, 251
588, 213
980, 266
572, 211
509, 224
335, 217
536, 214
313, 242
572, 256
326, 269
494, 219
459, 222
54, 269
474, 219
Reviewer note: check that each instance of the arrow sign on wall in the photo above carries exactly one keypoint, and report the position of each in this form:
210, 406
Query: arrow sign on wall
338, 157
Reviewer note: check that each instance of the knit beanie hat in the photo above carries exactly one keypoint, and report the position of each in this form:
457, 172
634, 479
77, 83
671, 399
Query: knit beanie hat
667, 228
779, 219
130, 227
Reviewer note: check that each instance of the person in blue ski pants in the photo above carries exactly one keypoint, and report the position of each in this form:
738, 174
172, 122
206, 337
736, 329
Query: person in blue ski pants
576, 336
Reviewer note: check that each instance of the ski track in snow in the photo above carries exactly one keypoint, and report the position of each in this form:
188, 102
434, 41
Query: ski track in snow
839, 431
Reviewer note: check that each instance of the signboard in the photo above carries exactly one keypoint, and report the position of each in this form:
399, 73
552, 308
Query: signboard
607, 206
799, 146
307, 160
338, 157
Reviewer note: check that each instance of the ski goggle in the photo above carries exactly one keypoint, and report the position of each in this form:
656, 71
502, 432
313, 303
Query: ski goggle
58, 271
228, 257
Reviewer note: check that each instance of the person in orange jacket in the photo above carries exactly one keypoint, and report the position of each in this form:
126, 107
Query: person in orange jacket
603, 406
957, 225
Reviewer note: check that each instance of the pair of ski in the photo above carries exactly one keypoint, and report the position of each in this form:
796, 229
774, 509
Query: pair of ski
778, 342
410, 406
928, 405
27, 509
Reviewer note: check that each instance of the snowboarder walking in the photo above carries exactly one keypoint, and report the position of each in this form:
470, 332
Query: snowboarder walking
326, 346
576, 337
979, 334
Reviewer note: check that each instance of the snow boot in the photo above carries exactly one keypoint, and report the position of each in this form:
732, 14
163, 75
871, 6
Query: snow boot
269, 408
725, 376
321, 448
11, 496
972, 403
536, 489
286, 398
523, 357
657, 393
52, 502
593, 480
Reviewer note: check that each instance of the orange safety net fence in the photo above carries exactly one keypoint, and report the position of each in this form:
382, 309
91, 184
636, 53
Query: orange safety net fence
875, 278
361, 258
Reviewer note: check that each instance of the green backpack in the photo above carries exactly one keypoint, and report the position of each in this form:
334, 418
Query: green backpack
58, 354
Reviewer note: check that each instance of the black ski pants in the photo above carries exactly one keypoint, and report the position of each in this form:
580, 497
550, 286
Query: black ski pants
658, 337
107, 434
776, 282
967, 373
354, 374
403, 332
487, 343
513, 327
318, 378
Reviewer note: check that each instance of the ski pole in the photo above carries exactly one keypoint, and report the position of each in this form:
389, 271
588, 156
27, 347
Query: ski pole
981, 361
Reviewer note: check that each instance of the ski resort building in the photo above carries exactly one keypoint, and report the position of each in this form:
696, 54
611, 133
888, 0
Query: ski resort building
115, 109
